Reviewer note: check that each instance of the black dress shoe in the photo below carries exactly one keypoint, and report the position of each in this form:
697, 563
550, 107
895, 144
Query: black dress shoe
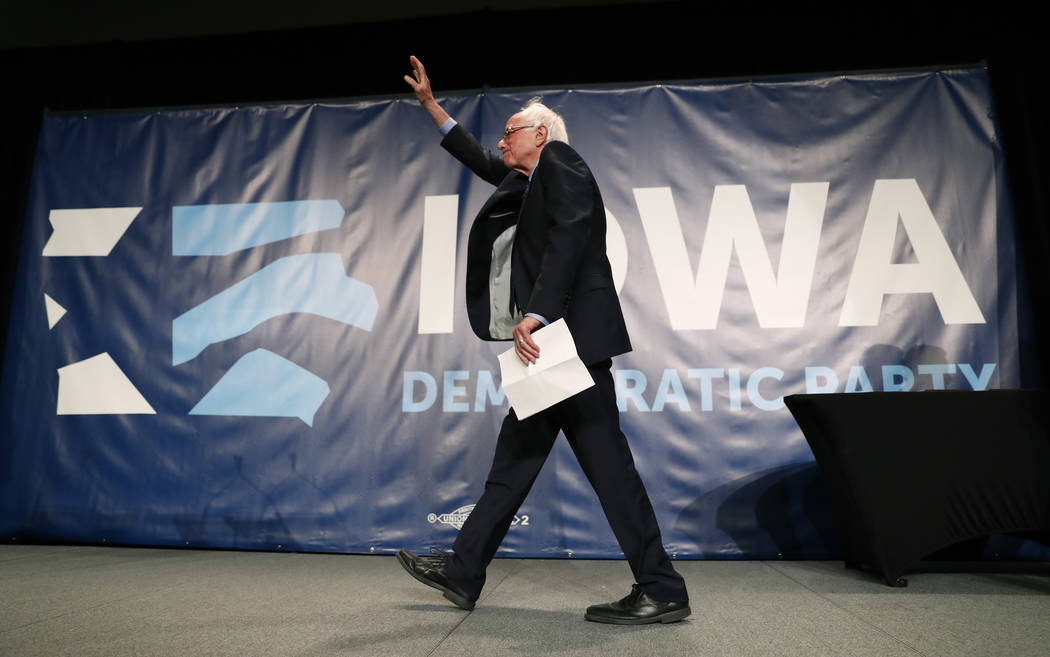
432, 571
637, 609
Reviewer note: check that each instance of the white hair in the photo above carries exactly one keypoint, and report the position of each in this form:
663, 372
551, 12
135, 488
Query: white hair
537, 114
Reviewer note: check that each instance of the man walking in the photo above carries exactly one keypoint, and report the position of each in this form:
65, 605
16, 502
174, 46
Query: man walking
545, 225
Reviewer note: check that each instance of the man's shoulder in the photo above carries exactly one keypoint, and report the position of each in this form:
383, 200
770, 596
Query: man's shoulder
561, 149
562, 155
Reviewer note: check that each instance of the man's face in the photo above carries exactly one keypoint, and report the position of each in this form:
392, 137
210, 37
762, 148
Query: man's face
521, 148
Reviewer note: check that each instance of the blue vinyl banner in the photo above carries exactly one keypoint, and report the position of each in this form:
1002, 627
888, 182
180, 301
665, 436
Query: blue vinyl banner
245, 326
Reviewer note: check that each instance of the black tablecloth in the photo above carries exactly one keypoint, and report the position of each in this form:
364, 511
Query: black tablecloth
912, 473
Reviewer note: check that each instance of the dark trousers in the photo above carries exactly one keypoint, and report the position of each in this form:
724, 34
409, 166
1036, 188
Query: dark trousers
591, 423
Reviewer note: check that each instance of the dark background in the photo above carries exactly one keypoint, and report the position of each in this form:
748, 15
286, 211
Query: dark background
64, 56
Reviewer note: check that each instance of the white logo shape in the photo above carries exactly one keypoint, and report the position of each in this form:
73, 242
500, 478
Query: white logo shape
55, 311
88, 231
96, 386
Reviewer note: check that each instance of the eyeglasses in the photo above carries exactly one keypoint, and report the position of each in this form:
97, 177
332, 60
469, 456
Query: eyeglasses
514, 128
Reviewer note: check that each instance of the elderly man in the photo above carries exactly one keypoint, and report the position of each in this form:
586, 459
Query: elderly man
547, 217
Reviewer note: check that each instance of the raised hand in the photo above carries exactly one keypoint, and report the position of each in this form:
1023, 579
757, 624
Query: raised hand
420, 84
419, 81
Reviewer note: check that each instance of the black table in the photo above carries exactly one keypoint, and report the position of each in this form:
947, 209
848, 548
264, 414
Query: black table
912, 473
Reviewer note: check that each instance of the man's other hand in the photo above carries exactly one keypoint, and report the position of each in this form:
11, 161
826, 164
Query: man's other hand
527, 350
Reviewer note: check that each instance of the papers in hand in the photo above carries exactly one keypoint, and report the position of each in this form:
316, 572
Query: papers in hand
556, 375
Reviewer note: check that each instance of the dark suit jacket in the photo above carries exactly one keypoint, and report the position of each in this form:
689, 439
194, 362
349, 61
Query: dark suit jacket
559, 266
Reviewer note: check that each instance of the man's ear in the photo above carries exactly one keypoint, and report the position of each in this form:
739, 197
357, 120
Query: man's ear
541, 135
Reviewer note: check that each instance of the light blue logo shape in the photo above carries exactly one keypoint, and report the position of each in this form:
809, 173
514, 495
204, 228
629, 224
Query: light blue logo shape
308, 283
263, 384
225, 228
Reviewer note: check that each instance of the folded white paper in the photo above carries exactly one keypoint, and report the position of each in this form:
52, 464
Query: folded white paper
556, 375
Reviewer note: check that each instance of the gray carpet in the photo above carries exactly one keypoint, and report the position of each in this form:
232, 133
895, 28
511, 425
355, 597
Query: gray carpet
115, 602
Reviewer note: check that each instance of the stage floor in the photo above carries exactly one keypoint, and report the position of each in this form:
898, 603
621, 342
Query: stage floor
115, 602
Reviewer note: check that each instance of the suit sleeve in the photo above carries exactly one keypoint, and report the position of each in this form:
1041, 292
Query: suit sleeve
570, 205
483, 162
